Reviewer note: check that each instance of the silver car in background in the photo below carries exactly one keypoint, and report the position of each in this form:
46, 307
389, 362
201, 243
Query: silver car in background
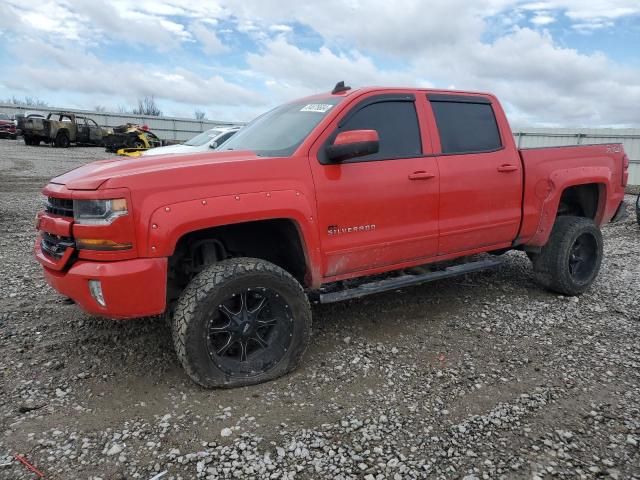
210, 139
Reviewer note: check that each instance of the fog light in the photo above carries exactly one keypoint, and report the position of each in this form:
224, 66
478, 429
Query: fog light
95, 287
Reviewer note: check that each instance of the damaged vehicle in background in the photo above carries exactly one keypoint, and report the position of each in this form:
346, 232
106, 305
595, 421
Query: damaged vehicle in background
130, 140
61, 129
8, 127
211, 139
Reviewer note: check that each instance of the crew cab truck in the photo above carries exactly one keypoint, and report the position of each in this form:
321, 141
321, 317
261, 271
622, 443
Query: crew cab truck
61, 129
384, 187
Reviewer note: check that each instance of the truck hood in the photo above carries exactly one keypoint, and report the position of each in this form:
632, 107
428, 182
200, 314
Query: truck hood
92, 175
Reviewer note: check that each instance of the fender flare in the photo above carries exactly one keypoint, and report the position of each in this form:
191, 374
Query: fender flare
560, 181
168, 223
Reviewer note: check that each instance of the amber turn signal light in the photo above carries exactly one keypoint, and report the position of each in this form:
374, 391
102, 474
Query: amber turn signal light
99, 244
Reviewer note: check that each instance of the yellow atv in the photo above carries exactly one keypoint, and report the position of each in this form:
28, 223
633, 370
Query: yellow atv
131, 140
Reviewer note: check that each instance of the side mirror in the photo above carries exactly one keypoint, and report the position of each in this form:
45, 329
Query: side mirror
213, 145
353, 143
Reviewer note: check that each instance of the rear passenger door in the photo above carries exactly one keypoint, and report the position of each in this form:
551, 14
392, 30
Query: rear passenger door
480, 179
380, 209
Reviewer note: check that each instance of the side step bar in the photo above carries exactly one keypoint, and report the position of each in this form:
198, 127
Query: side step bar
407, 280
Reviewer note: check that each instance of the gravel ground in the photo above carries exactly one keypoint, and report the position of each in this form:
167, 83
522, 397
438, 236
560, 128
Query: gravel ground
484, 376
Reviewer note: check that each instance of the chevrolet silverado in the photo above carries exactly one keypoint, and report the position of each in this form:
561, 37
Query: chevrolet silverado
334, 196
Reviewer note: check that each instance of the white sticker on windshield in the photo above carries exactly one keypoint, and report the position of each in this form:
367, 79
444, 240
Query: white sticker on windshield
316, 107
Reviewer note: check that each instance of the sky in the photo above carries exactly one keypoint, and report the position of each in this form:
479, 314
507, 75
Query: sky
552, 63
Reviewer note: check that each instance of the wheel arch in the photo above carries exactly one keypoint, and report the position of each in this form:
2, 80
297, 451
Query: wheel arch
290, 210
585, 198
277, 240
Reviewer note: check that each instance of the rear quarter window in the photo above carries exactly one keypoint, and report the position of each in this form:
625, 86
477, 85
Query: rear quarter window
466, 127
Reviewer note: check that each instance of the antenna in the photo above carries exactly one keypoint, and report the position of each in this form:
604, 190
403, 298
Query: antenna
340, 87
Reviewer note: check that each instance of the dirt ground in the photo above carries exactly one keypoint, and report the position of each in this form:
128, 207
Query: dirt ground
483, 376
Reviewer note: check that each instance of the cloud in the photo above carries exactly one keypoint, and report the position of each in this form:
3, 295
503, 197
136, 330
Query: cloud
377, 25
542, 18
283, 49
53, 69
208, 39
543, 82
292, 71
586, 15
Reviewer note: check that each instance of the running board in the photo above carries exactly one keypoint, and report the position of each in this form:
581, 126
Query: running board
408, 280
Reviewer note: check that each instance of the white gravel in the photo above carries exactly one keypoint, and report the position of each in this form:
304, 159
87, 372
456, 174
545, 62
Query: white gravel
485, 376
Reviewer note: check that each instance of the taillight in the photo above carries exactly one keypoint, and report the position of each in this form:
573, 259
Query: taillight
625, 170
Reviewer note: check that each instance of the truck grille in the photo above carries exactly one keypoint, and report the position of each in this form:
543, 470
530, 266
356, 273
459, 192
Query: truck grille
59, 206
54, 245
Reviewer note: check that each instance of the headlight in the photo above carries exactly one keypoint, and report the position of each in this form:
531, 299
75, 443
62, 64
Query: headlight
99, 212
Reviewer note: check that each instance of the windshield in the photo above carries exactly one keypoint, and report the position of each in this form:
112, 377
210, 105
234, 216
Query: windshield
203, 138
280, 131
4, 116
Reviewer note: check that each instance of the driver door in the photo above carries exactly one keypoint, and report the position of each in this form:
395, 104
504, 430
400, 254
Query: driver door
82, 130
95, 131
380, 209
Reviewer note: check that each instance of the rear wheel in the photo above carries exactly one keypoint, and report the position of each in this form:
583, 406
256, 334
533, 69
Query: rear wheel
240, 322
570, 261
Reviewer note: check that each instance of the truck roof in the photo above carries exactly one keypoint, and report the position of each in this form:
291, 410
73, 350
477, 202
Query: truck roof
370, 89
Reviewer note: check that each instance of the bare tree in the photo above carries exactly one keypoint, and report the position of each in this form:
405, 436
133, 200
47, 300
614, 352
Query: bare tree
100, 108
199, 114
123, 109
148, 106
28, 101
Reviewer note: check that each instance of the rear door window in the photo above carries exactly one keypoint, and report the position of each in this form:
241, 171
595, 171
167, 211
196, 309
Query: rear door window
466, 125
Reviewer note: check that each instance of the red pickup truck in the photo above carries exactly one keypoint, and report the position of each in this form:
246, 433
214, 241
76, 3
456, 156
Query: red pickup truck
384, 187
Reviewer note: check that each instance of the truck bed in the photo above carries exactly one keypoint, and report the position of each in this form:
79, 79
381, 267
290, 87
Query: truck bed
549, 170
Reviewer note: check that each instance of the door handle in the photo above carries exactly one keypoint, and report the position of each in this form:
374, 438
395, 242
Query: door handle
421, 175
507, 168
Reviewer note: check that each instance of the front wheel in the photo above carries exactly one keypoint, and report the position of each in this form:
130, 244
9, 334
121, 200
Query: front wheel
241, 322
570, 261
62, 140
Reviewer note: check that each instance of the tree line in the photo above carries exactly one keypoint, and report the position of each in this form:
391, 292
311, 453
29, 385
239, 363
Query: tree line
147, 105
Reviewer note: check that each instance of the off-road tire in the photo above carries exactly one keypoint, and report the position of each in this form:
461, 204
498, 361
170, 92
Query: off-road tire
62, 140
552, 264
638, 209
27, 140
202, 296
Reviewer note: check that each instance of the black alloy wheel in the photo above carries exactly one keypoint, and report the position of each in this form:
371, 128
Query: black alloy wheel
570, 261
582, 257
250, 332
240, 322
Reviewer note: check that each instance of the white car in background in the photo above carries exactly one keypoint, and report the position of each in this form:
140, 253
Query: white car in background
210, 139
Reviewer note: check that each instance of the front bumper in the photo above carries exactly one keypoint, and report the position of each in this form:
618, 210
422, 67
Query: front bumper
131, 288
